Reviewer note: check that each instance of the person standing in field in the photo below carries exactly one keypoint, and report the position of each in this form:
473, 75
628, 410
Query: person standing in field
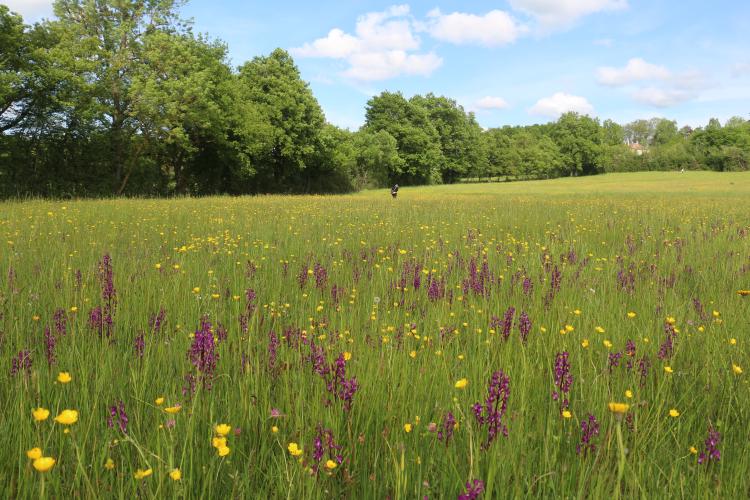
394, 190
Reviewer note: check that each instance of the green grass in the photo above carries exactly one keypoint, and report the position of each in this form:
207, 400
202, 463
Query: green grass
682, 236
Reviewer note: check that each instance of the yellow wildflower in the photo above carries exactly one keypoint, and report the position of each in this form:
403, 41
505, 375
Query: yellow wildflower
223, 451
218, 442
34, 453
159, 401
43, 464
461, 384
736, 369
64, 377
566, 414
631, 314
294, 449
40, 414
674, 413
223, 429
629, 394
330, 464
618, 408
176, 475
140, 473
67, 417
347, 355
173, 409
668, 369
407, 428
109, 464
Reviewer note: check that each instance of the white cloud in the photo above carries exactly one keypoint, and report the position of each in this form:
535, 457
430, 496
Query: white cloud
492, 29
635, 70
662, 97
560, 103
561, 13
31, 10
666, 87
384, 45
489, 102
336, 45
371, 66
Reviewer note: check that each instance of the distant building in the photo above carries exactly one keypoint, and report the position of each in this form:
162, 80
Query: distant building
637, 148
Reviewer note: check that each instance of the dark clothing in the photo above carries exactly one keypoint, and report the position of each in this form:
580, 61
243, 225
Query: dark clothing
394, 191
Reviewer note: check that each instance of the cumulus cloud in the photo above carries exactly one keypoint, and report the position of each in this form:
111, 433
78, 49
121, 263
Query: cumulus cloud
635, 70
31, 10
662, 97
490, 102
562, 13
384, 45
560, 103
492, 29
371, 66
664, 87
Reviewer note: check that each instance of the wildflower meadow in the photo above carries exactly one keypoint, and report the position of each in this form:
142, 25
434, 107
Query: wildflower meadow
564, 338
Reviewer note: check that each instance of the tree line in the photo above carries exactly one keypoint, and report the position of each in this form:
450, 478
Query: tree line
121, 97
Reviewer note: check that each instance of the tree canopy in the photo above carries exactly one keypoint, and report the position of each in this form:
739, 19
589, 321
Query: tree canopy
121, 97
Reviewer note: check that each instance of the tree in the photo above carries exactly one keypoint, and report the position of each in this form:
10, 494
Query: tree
417, 139
285, 101
579, 142
639, 132
460, 136
665, 131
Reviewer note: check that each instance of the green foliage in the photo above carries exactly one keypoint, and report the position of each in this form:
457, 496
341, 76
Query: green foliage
417, 139
121, 97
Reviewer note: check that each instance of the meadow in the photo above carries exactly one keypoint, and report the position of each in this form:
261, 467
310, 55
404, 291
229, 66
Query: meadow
578, 337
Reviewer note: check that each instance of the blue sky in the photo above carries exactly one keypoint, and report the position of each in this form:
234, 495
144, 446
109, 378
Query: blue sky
512, 62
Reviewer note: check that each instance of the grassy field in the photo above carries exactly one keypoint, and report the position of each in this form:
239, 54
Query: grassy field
364, 347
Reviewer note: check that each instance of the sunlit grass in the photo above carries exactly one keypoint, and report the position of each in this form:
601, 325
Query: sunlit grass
672, 238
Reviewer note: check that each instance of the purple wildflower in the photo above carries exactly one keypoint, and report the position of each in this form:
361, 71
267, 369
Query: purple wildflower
614, 360
321, 276
473, 490
60, 322
202, 353
589, 430
49, 346
273, 345
156, 321
643, 365
96, 321
21, 362
447, 427
711, 452
528, 286
508, 322
667, 347
302, 276
563, 379
524, 326
117, 414
323, 444
250, 297
495, 406
139, 345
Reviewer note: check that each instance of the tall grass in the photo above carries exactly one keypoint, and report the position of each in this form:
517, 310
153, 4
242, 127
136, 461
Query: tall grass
657, 245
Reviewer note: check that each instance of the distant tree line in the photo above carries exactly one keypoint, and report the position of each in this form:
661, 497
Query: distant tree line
120, 97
